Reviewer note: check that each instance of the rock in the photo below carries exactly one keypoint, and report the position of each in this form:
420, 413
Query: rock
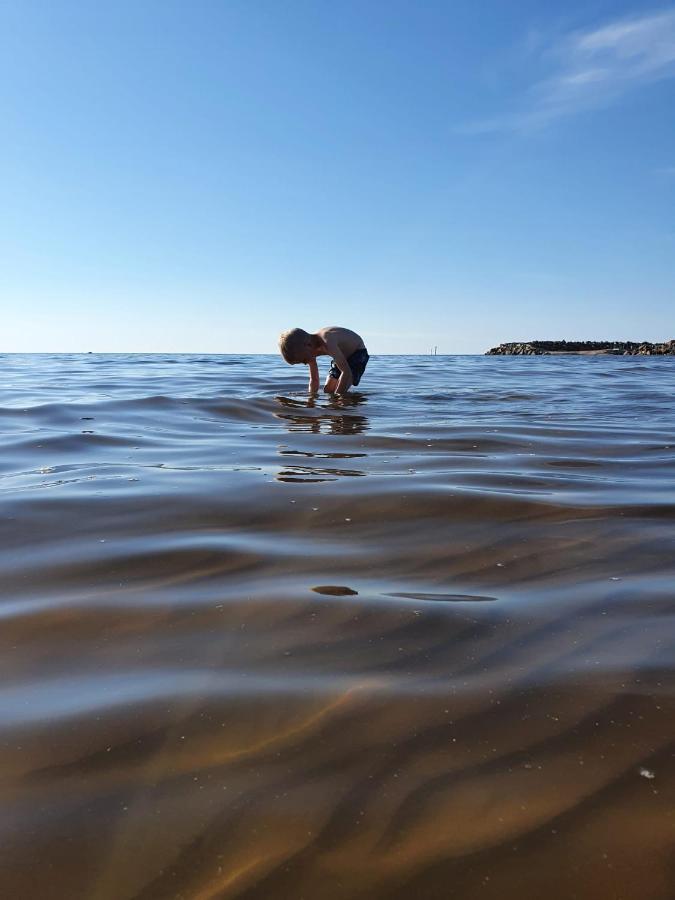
334, 590
515, 349
613, 348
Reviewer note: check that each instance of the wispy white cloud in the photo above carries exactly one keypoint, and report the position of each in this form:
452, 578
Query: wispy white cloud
591, 69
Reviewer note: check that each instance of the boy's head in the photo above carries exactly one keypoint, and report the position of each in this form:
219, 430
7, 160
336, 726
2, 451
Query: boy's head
298, 346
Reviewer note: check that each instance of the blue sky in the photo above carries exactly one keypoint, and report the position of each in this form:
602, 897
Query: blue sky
197, 176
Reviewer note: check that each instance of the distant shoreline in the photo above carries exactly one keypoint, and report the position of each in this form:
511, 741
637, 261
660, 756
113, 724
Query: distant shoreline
583, 348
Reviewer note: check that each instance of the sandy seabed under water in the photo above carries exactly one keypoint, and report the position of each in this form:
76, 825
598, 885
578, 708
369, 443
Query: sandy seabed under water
416, 642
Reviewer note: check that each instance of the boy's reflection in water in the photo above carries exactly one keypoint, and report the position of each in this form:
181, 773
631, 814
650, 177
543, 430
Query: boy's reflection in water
331, 417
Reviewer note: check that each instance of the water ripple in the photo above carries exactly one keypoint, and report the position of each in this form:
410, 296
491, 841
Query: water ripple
342, 647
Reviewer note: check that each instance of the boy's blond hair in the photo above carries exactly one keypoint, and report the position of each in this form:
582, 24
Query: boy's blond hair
292, 343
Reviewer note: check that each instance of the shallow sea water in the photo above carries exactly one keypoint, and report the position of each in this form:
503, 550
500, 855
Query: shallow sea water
478, 700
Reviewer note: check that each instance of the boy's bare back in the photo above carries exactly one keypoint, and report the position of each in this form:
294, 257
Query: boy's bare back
345, 340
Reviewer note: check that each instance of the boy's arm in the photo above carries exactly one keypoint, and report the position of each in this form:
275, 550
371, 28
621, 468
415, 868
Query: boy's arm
313, 386
345, 381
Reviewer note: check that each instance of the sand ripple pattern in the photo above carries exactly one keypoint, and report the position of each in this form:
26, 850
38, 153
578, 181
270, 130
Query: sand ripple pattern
477, 703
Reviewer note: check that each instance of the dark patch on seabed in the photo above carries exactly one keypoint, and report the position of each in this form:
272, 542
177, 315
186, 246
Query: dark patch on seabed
406, 643
334, 590
450, 598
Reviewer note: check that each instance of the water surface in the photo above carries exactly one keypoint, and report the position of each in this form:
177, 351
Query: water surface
413, 642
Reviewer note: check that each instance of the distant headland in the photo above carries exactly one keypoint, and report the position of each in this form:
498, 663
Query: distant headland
588, 348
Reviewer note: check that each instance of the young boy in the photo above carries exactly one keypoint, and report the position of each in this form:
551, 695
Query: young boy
349, 353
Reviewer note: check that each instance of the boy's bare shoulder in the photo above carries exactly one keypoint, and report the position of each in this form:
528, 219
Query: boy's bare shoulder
347, 340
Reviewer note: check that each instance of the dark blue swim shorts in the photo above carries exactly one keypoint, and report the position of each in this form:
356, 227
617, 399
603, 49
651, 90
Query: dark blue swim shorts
357, 363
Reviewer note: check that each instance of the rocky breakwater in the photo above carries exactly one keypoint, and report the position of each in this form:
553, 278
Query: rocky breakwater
616, 348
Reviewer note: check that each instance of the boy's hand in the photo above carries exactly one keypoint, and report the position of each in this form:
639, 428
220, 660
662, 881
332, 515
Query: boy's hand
345, 381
